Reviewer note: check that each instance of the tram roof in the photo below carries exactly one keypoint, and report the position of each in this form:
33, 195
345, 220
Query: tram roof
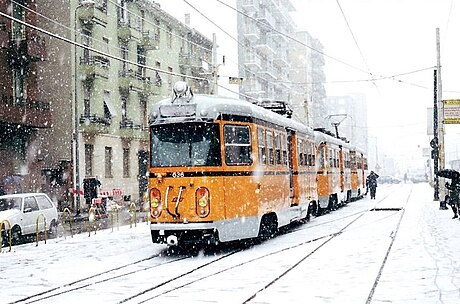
210, 107
321, 137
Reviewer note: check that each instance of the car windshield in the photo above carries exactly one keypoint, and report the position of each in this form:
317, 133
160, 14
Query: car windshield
178, 145
7, 203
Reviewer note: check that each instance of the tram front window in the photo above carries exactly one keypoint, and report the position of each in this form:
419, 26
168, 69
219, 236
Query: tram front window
179, 145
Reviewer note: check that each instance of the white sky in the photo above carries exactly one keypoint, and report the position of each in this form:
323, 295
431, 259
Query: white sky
422, 265
394, 37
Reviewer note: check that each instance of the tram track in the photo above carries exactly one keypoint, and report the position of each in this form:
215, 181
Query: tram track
328, 238
145, 295
344, 229
91, 280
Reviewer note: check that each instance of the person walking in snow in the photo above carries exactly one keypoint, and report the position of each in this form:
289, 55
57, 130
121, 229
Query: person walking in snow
371, 183
453, 196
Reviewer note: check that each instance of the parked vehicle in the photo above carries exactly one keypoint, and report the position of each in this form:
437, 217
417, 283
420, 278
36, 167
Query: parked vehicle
25, 212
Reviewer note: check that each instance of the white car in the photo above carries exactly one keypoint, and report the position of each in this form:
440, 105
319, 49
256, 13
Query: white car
23, 211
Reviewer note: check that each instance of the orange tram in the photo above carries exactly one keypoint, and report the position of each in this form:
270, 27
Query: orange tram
224, 169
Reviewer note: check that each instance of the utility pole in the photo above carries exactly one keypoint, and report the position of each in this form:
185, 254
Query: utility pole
215, 69
441, 150
434, 142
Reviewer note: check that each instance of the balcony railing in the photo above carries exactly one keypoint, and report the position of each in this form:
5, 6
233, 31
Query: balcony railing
95, 65
130, 80
93, 12
150, 40
4, 36
28, 112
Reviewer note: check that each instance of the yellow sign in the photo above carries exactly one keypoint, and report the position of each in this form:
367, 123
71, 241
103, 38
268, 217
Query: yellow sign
234, 80
451, 111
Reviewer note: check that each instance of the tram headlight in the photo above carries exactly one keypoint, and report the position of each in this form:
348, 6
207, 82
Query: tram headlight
202, 199
155, 202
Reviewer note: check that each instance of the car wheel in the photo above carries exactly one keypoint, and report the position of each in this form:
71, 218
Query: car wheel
53, 229
16, 235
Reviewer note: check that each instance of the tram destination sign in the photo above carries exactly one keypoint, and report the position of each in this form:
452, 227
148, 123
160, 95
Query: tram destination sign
451, 111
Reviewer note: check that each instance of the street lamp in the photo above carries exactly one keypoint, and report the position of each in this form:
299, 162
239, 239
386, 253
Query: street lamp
76, 132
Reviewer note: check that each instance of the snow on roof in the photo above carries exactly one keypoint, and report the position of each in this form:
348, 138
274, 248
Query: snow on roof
209, 107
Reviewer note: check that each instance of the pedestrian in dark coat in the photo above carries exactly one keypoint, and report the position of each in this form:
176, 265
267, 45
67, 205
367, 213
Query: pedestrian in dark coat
453, 196
371, 183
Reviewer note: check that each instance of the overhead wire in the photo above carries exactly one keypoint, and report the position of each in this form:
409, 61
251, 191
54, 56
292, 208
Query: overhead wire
354, 39
321, 52
93, 49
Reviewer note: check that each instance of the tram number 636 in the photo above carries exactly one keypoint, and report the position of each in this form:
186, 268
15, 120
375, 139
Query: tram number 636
178, 174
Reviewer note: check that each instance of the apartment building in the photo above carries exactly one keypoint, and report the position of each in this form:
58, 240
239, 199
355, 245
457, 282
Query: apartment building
126, 56
264, 52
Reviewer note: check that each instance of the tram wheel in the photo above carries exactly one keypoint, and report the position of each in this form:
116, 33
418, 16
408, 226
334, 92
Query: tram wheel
268, 227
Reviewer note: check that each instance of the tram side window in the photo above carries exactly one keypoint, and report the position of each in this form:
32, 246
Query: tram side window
353, 161
237, 145
321, 157
262, 150
300, 152
331, 158
305, 153
311, 155
277, 149
284, 149
336, 158
271, 156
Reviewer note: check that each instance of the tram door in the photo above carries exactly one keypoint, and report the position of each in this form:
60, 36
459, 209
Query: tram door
290, 159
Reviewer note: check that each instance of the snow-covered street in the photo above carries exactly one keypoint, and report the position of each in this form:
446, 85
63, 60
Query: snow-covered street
399, 248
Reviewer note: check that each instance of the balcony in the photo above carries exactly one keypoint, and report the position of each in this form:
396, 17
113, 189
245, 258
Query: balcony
31, 113
130, 80
264, 47
31, 49
252, 33
36, 48
150, 40
95, 66
4, 36
129, 129
281, 60
94, 124
124, 31
280, 38
253, 61
93, 12
150, 88
250, 6
266, 18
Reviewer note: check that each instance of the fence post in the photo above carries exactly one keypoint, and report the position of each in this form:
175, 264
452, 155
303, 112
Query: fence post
36, 227
132, 208
66, 214
10, 232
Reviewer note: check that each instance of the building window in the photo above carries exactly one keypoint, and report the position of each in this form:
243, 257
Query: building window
169, 39
19, 29
157, 29
108, 162
87, 88
86, 39
124, 106
158, 80
89, 151
124, 55
19, 87
141, 69
170, 71
123, 17
126, 162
